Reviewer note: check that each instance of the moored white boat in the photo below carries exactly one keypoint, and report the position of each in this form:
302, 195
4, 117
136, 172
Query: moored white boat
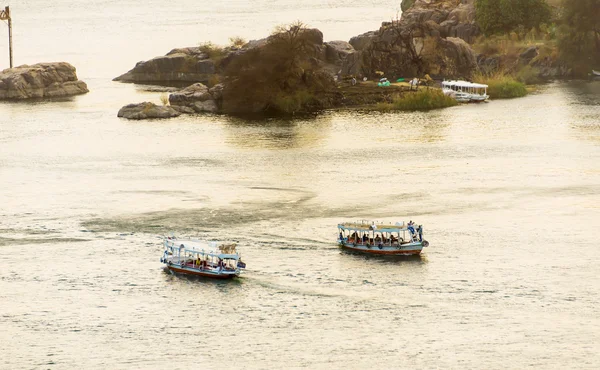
464, 91
385, 239
595, 73
198, 258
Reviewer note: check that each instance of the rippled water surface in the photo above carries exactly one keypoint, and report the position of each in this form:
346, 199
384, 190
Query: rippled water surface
508, 193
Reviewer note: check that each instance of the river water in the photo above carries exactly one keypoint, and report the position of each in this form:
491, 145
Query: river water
508, 193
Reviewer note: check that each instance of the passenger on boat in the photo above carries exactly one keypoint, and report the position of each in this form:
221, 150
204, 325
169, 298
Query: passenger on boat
341, 236
420, 231
411, 228
365, 238
377, 239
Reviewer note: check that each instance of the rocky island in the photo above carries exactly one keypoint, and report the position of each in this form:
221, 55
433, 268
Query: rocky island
42, 80
294, 70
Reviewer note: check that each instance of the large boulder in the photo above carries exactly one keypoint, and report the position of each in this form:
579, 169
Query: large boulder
363, 41
198, 98
42, 80
455, 18
414, 54
450, 56
206, 106
337, 51
191, 94
147, 110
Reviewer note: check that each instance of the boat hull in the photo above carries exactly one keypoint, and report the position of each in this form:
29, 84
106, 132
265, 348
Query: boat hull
408, 250
203, 273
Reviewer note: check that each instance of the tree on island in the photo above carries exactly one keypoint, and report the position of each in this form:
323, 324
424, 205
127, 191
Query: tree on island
282, 76
504, 16
579, 36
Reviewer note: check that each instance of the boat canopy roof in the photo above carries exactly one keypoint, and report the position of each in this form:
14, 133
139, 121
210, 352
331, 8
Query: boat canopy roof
464, 84
210, 253
211, 249
363, 226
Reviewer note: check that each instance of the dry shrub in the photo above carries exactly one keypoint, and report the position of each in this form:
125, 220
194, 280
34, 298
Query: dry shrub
164, 99
211, 50
237, 41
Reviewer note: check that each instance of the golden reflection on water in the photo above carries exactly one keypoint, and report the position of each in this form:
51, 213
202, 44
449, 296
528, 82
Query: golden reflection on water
276, 133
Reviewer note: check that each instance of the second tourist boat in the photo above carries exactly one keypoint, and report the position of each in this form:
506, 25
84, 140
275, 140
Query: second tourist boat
387, 239
465, 92
198, 258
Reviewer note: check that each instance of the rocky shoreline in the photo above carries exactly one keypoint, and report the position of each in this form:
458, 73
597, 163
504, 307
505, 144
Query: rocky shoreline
42, 80
433, 37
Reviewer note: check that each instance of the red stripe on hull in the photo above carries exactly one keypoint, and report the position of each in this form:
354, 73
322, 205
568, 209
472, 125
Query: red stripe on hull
379, 251
200, 273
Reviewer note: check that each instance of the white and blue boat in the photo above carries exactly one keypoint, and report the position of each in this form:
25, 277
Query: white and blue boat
465, 92
200, 258
386, 239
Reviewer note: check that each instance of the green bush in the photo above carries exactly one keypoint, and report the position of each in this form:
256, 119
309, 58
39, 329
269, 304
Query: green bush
504, 16
422, 100
501, 85
505, 88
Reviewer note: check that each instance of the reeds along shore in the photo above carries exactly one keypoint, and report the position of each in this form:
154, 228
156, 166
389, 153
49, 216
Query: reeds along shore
501, 85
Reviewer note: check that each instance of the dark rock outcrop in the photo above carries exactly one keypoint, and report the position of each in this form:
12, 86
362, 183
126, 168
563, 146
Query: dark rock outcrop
179, 65
401, 49
549, 68
536, 61
147, 110
190, 65
42, 80
529, 53
431, 37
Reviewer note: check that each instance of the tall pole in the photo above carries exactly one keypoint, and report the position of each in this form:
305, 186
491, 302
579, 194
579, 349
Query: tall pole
5, 15
9, 37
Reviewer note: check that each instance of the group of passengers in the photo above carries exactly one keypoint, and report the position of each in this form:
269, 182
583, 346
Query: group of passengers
204, 264
365, 239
